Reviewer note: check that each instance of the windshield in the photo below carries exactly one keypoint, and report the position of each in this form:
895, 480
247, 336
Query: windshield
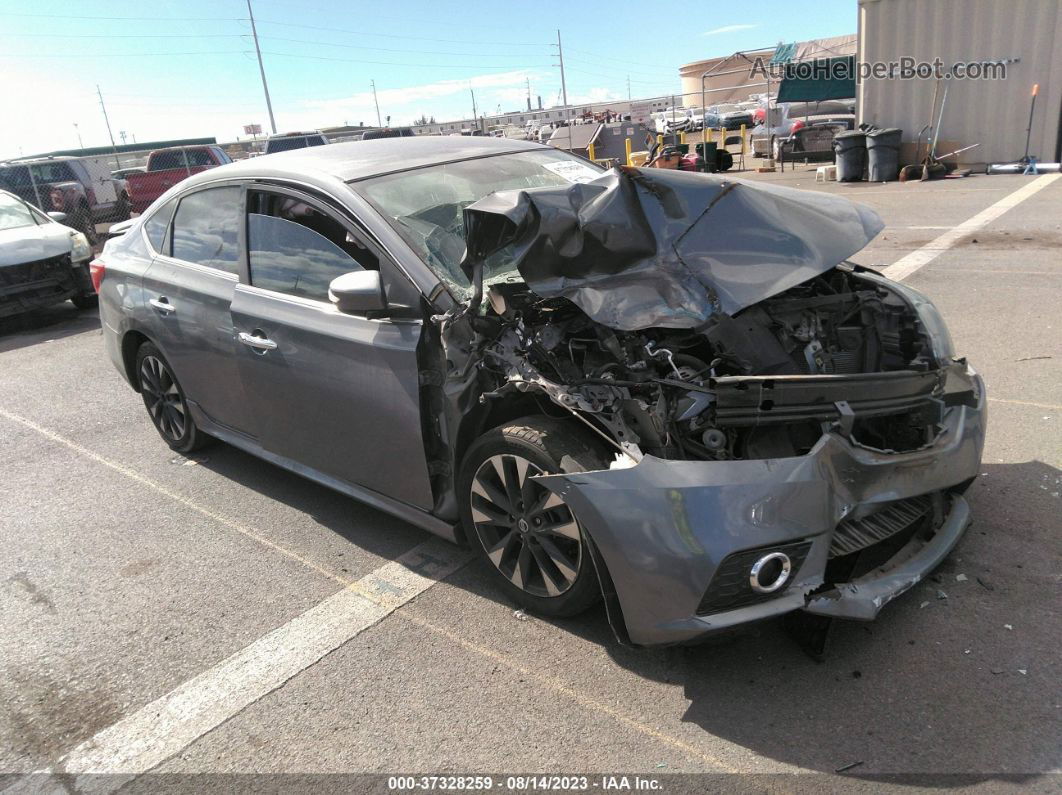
426, 205
14, 213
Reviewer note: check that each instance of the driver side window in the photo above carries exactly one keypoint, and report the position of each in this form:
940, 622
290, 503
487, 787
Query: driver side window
296, 249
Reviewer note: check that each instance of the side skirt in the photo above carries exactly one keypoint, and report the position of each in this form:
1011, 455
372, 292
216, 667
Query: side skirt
408, 513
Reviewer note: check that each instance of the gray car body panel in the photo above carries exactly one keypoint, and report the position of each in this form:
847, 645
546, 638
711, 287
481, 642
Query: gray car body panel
663, 527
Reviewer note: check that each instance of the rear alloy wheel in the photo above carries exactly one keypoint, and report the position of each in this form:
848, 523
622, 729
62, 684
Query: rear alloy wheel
165, 401
526, 533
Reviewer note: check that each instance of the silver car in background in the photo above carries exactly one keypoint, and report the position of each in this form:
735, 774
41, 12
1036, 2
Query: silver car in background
666, 389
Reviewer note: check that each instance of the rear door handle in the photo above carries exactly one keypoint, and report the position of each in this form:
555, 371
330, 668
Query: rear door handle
257, 342
163, 305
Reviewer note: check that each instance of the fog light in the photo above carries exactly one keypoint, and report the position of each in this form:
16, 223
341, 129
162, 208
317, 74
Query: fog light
770, 572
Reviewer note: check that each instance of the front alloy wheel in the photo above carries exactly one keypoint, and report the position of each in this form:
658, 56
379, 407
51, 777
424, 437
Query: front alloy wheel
529, 534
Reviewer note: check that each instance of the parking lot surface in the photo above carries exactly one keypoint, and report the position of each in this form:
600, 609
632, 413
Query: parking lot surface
130, 573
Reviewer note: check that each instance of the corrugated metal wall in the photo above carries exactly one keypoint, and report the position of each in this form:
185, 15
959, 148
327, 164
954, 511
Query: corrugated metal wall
992, 112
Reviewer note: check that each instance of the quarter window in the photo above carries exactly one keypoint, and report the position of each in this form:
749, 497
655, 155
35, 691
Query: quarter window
157, 225
296, 249
206, 228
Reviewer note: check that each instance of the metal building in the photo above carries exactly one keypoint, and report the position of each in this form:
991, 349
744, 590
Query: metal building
1024, 36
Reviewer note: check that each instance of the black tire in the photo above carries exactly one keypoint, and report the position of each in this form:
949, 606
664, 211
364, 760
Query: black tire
541, 555
165, 402
86, 301
83, 223
122, 209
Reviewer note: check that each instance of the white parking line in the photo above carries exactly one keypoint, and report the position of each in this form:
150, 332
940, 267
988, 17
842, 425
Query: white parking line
908, 264
166, 726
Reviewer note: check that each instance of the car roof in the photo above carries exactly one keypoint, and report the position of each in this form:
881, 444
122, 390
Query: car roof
355, 160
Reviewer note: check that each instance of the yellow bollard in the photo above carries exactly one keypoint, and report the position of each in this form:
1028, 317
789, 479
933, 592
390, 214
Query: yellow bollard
722, 137
590, 151
742, 139
711, 136
659, 140
627, 146
682, 137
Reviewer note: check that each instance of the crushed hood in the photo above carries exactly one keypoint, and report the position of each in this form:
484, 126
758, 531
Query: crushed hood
642, 248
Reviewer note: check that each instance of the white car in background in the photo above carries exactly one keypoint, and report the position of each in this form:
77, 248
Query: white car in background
42, 262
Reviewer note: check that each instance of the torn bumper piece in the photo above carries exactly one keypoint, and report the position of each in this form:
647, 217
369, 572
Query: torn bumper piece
665, 528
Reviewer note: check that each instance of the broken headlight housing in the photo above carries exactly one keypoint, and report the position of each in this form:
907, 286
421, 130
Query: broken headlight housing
80, 249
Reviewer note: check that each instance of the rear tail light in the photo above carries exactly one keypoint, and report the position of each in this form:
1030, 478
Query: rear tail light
797, 125
57, 199
97, 270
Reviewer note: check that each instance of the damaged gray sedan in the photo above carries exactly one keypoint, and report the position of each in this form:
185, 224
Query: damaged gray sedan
666, 389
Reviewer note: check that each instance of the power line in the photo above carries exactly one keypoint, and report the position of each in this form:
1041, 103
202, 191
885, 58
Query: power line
398, 36
386, 49
83, 55
411, 65
147, 19
128, 35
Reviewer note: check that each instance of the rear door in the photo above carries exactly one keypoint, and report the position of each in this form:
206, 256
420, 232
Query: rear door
335, 392
189, 289
98, 173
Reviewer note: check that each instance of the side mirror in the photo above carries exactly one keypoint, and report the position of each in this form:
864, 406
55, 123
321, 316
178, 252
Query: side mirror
358, 292
57, 217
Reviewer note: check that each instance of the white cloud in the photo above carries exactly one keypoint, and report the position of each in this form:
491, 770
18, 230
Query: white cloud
728, 29
404, 104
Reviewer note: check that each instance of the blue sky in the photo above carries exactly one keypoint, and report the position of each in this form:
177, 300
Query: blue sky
173, 68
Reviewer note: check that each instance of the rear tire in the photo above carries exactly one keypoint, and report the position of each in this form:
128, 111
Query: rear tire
526, 535
86, 301
165, 402
83, 223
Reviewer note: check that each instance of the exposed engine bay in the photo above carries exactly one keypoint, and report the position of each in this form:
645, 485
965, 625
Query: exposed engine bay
724, 390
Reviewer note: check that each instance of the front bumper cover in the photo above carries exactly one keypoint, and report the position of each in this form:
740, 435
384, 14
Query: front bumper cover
663, 527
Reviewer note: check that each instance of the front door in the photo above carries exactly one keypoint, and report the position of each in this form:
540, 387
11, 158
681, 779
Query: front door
189, 289
335, 392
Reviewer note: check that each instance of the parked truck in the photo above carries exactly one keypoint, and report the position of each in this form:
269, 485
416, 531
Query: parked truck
82, 188
167, 167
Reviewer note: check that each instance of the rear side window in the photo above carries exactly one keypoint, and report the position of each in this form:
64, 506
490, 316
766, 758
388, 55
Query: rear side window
206, 228
296, 249
163, 161
158, 224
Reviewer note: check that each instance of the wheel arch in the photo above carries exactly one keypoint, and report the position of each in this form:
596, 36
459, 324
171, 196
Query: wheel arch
131, 342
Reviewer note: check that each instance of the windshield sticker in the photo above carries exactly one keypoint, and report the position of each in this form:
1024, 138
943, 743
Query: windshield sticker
573, 171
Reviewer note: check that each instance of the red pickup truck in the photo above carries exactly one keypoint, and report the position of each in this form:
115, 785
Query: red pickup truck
167, 167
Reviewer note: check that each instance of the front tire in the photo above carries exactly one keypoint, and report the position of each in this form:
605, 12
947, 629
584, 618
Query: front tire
122, 210
526, 534
165, 402
83, 223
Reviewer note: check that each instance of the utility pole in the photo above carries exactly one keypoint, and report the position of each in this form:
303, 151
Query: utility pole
528, 81
108, 122
564, 89
628, 88
121, 134
376, 102
261, 69
79, 144
475, 118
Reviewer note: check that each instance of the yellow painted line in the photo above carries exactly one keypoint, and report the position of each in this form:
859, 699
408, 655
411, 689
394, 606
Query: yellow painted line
1027, 403
373, 596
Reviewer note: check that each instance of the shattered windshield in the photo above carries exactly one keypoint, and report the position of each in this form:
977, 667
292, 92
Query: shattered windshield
426, 205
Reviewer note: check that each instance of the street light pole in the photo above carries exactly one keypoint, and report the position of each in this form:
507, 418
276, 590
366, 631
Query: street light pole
376, 102
261, 69
107, 121
79, 144
564, 89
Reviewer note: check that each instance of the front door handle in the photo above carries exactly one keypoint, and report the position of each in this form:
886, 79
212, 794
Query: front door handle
163, 305
259, 343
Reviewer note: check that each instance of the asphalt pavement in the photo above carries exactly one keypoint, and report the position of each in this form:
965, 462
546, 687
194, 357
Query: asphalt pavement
130, 573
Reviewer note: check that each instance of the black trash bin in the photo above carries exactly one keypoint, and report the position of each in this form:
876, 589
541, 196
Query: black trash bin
883, 154
850, 152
